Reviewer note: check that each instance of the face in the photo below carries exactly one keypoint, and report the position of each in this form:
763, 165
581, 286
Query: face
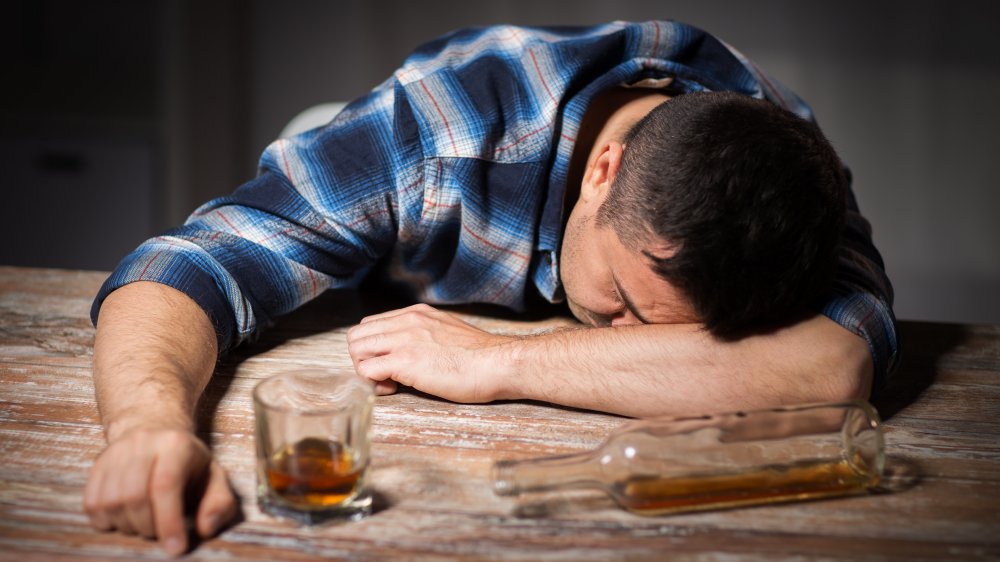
608, 284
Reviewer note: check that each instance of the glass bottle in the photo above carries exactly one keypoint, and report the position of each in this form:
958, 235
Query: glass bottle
669, 465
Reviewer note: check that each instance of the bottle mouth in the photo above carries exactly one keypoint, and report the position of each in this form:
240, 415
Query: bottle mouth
503, 482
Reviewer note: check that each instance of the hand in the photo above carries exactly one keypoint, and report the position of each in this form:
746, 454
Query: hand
432, 351
137, 486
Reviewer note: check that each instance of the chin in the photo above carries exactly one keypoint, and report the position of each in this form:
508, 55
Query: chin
577, 313
581, 315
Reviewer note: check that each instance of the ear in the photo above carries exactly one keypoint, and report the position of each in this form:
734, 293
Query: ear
601, 171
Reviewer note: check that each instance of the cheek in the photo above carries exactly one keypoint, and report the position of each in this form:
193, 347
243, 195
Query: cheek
569, 262
574, 274
580, 267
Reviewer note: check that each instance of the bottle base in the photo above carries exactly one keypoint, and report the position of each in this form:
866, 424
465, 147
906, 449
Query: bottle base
358, 508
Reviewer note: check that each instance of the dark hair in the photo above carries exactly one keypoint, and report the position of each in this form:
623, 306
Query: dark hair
750, 196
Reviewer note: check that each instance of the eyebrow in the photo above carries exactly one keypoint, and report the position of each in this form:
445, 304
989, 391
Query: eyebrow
629, 304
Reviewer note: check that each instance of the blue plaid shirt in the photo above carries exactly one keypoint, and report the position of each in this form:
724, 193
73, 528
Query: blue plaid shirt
449, 177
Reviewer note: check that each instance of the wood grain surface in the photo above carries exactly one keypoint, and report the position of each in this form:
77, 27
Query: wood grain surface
432, 458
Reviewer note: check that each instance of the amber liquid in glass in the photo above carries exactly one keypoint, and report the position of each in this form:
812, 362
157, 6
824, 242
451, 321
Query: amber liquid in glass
314, 474
655, 495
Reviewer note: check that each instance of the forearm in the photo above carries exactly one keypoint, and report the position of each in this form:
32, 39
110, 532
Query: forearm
154, 352
680, 369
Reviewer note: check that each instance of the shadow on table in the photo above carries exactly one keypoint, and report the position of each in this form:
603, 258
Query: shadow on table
335, 308
922, 346
564, 503
900, 474
193, 494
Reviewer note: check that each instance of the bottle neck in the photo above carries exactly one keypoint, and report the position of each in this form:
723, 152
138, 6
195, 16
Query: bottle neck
579, 470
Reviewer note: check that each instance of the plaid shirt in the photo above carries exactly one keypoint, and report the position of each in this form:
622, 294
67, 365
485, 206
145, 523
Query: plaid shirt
449, 178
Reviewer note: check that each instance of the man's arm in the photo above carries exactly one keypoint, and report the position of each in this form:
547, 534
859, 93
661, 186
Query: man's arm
632, 370
154, 353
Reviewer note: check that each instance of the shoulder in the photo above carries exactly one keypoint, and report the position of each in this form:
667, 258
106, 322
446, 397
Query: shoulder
506, 45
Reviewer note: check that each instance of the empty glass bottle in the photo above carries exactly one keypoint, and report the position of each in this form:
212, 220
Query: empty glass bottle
669, 465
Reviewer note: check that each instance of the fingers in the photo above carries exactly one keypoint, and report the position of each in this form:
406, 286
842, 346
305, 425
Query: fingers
383, 333
429, 350
375, 327
385, 368
420, 315
375, 348
420, 308
103, 506
92, 505
218, 505
365, 341
118, 501
361, 347
168, 513
167, 496
386, 387
137, 486
136, 514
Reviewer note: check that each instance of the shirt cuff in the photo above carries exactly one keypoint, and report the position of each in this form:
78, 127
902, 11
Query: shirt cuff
872, 319
206, 283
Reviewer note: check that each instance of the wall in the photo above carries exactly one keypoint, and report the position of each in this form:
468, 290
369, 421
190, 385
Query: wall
116, 119
78, 147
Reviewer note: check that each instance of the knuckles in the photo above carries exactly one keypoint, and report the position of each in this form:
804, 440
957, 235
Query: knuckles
117, 494
92, 506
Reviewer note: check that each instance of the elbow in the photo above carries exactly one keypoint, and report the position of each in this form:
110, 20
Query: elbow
851, 371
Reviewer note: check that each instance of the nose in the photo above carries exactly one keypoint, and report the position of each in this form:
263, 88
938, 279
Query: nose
625, 318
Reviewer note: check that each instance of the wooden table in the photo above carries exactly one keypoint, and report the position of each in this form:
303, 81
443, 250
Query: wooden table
432, 458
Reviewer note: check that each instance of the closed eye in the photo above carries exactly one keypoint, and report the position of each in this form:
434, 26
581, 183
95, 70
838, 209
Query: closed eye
623, 297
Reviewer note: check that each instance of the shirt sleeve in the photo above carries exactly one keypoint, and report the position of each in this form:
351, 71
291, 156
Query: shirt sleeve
319, 213
862, 295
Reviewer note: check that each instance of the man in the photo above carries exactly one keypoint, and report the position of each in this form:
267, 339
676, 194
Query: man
632, 170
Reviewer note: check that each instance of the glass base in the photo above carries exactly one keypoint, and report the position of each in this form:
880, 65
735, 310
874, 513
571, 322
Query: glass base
354, 510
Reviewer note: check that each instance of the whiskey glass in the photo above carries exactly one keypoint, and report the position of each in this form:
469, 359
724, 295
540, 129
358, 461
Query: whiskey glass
313, 437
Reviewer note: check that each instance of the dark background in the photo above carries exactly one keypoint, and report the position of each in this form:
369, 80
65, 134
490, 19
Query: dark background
117, 118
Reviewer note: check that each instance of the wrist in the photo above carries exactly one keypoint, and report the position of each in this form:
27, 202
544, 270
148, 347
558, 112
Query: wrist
508, 363
124, 423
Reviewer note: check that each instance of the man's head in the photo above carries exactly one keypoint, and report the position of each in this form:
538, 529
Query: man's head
731, 205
